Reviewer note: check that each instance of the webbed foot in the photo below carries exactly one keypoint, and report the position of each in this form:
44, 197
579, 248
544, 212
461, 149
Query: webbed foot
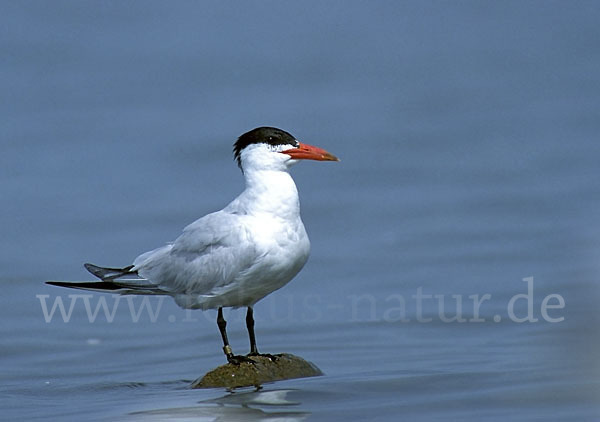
273, 358
239, 359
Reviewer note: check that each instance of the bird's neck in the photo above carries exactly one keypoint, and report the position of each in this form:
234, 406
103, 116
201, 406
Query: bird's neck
271, 192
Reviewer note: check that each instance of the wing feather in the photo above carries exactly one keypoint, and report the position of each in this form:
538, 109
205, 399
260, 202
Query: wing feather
204, 260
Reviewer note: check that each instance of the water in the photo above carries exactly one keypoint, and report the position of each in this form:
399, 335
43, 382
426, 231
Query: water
468, 134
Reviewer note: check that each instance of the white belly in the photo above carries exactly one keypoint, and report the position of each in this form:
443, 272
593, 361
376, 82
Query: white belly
282, 249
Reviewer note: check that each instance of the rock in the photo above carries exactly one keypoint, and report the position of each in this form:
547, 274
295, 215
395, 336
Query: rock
264, 370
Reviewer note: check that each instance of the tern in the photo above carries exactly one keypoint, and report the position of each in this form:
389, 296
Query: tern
236, 256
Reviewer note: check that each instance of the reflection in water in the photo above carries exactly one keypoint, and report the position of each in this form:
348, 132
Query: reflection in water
270, 398
230, 407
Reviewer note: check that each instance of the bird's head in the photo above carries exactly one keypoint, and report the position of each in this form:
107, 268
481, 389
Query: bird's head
267, 148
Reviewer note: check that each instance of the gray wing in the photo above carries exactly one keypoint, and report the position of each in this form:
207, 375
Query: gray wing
205, 260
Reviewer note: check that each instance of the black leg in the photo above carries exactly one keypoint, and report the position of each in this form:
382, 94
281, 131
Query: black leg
231, 358
250, 327
223, 329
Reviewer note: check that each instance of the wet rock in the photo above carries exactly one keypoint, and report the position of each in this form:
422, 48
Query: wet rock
263, 370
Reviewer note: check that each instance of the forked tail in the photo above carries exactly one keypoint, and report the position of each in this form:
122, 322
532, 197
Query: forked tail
105, 274
109, 282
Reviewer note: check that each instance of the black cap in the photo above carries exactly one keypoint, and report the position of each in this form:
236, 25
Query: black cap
262, 135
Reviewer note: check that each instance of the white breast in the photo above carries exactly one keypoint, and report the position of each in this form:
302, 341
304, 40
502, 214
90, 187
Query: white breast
236, 256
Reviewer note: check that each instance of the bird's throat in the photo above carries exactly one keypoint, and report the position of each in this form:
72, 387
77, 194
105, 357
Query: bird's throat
273, 192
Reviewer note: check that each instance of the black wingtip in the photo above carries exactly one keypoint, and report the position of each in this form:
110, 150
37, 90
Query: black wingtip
94, 285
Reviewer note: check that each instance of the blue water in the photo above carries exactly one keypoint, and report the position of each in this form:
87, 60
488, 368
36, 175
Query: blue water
468, 133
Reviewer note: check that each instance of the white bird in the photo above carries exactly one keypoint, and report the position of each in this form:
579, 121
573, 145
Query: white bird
236, 256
